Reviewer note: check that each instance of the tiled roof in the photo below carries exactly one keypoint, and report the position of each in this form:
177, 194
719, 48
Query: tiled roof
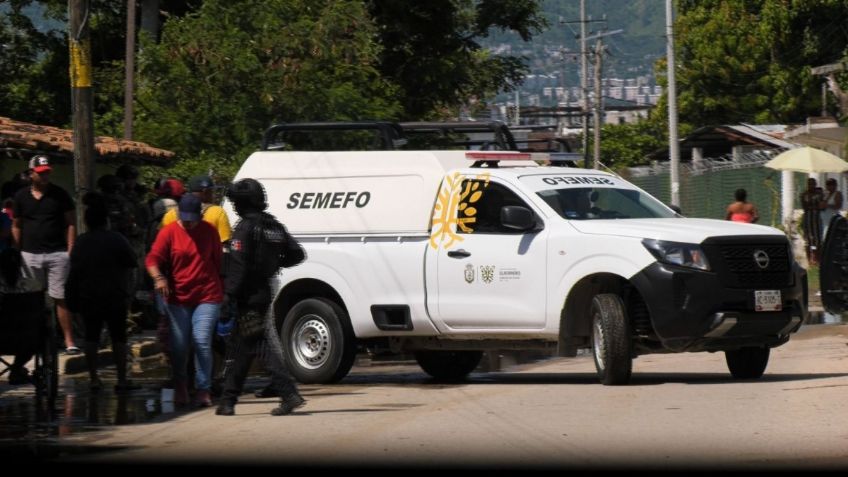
21, 137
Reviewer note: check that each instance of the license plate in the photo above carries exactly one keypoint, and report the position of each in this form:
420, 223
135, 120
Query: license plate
767, 300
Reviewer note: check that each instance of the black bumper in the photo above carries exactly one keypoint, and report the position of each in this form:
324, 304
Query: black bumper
693, 310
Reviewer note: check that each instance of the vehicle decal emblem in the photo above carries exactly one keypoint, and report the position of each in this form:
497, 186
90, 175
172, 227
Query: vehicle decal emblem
469, 273
761, 258
487, 273
453, 206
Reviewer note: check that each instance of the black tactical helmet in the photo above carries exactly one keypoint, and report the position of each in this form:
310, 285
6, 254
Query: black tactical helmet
247, 193
127, 171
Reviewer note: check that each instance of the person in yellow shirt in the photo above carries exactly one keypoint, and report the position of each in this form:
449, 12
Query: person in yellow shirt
203, 187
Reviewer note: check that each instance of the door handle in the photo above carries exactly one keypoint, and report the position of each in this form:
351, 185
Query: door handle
459, 253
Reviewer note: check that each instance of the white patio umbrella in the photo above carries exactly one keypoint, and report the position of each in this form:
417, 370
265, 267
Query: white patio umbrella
807, 159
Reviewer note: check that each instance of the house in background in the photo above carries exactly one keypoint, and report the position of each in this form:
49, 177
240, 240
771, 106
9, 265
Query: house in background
822, 133
19, 141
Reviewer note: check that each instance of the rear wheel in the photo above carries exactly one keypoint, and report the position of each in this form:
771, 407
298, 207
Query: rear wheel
747, 363
611, 345
448, 365
318, 341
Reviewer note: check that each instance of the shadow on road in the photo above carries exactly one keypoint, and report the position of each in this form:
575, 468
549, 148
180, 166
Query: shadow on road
638, 379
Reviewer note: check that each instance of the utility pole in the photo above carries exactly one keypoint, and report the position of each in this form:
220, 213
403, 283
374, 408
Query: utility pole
599, 100
673, 146
584, 88
517, 106
599, 104
129, 72
80, 71
584, 103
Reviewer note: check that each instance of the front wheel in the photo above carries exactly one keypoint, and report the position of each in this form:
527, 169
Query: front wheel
319, 343
448, 365
611, 345
747, 363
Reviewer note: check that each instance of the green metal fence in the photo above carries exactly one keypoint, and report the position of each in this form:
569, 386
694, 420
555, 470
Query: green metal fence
707, 188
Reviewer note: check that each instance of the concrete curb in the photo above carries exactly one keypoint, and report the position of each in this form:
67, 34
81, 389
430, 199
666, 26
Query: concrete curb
143, 347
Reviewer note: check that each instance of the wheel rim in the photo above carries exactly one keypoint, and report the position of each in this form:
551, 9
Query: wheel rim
311, 342
598, 342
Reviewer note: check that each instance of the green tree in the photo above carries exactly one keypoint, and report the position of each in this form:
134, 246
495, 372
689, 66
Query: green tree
33, 67
223, 74
35, 85
627, 145
223, 71
749, 60
431, 49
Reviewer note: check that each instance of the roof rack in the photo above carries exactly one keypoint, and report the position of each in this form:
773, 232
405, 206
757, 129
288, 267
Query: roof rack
389, 135
503, 138
392, 136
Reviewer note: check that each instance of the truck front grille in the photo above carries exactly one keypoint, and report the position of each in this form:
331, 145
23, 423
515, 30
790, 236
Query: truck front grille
761, 264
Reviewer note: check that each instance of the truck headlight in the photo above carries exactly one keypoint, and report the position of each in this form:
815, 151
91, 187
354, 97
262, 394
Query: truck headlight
680, 254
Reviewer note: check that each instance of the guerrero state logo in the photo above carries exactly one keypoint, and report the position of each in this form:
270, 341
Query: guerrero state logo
487, 273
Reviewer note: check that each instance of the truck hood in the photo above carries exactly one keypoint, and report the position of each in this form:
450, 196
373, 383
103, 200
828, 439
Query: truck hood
673, 229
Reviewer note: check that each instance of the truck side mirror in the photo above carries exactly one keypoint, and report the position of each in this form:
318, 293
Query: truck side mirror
676, 209
518, 218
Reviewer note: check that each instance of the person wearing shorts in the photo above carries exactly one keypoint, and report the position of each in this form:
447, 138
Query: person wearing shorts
44, 229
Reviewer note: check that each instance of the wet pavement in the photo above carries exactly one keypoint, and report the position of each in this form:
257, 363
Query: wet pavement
29, 429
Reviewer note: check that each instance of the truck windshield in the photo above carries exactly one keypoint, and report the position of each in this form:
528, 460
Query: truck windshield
588, 203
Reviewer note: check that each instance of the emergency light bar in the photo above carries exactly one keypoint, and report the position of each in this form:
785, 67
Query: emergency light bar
490, 156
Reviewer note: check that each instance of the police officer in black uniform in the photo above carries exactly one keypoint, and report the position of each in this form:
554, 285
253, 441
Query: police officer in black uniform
260, 245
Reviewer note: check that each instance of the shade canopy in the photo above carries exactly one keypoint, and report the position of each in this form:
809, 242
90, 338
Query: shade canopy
807, 159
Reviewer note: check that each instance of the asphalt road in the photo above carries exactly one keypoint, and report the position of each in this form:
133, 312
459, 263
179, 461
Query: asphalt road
681, 411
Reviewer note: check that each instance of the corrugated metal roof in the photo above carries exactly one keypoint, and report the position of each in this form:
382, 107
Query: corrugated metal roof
745, 129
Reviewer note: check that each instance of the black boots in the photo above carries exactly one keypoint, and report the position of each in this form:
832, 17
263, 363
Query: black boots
225, 408
288, 405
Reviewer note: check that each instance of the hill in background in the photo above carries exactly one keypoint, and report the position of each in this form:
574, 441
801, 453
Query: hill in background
555, 53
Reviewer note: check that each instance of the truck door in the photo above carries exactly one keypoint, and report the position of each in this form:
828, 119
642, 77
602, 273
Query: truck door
833, 274
491, 276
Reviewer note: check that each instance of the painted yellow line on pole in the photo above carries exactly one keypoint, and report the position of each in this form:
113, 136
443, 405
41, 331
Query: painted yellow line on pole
80, 63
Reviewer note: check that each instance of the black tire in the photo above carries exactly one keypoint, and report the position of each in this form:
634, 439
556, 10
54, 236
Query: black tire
747, 363
318, 341
448, 365
611, 344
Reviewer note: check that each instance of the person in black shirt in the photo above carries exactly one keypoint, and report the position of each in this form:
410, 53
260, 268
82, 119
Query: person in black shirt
259, 247
44, 229
98, 287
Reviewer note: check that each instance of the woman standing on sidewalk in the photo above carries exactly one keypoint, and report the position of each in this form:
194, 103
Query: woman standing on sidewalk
185, 264
741, 210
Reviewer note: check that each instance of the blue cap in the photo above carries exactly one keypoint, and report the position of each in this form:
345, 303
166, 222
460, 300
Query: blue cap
189, 208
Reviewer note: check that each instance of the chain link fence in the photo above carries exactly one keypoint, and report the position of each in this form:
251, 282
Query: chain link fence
708, 186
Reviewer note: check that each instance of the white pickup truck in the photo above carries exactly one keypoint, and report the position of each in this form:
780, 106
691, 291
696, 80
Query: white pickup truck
447, 254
